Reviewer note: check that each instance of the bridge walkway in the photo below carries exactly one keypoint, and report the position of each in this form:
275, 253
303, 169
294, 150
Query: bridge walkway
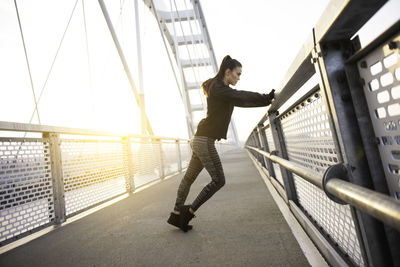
240, 226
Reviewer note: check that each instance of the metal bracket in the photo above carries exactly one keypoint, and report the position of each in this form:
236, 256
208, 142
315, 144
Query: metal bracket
271, 112
338, 171
392, 45
315, 57
274, 153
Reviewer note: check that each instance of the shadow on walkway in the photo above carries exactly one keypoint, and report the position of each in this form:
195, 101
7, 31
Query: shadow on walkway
239, 226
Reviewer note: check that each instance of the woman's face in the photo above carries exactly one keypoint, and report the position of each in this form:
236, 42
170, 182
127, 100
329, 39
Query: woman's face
233, 76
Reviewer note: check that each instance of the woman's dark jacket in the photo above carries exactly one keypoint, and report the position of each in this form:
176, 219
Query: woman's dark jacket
220, 104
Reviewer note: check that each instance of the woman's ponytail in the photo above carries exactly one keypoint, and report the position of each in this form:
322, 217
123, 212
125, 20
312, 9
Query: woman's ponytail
206, 86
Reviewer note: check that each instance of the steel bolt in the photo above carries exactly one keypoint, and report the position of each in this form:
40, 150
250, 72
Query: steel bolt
377, 140
363, 64
393, 45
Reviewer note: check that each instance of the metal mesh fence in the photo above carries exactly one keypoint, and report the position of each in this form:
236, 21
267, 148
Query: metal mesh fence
380, 71
335, 219
186, 154
307, 134
309, 142
93, 171
170, 157
26, 189
146, 160
271, 146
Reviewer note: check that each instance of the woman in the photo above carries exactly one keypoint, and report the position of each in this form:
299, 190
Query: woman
221, 100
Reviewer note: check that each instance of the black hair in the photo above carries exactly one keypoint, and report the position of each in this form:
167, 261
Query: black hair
227, 63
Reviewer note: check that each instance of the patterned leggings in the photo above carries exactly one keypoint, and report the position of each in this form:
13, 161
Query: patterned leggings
204, 156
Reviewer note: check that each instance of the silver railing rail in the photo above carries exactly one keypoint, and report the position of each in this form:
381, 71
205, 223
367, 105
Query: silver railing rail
376, 204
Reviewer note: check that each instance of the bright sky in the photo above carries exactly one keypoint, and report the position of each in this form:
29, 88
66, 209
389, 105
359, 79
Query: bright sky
264, 36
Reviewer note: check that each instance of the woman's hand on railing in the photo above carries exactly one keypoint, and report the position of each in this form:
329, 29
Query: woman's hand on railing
271, 95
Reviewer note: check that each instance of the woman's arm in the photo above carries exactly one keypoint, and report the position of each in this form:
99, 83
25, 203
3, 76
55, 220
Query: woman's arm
242, 98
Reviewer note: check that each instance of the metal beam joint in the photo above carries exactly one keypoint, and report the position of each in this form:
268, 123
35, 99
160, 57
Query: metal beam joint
337, 171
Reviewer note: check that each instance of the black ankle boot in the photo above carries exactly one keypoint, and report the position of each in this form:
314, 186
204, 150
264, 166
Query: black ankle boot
185, 217
174, 219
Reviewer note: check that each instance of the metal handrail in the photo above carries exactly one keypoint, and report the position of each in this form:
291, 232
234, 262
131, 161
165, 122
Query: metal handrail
36, 128
27, 127
380, 206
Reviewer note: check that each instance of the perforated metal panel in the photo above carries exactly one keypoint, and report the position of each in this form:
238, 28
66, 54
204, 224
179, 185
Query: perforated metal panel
271, 146
170, 157
380, 71
335, 219
26, 189
307, 134
146, 160
186, 154
309, 142
93, 171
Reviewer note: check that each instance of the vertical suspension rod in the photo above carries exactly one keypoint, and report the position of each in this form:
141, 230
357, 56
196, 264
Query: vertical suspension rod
139, 56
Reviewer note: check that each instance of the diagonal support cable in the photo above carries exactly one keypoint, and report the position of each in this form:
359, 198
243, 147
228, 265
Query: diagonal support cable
55, 57
48, 74
27, 62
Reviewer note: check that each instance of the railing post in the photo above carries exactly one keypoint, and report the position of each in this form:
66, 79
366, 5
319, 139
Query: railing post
330, 64
250, 141
258, 145
264, 142
130, 182
57, 176
178, 150
262, 145
162, 174
279, 142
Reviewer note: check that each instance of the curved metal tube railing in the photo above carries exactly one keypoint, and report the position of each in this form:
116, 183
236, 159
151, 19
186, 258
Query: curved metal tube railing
378, 205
